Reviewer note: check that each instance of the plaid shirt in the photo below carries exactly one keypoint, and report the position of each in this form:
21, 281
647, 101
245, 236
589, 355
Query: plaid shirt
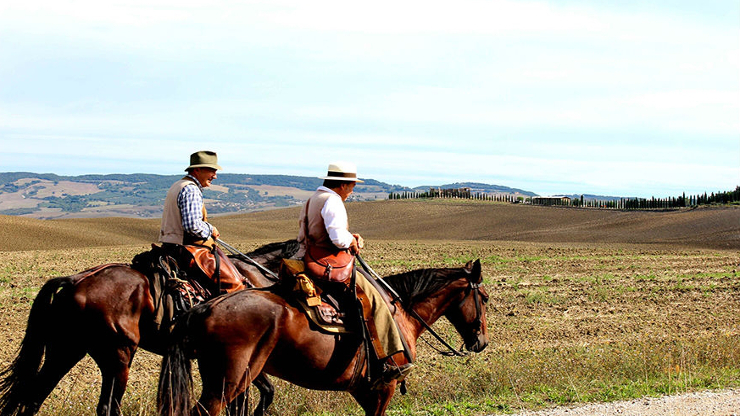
190, 202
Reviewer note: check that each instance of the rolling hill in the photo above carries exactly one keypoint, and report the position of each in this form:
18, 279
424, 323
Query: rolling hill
50, 196
409, 220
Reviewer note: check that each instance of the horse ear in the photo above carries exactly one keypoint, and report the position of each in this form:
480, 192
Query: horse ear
476, 271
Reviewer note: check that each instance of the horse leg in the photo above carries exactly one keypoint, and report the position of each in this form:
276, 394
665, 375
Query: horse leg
376, 400
58, 360
216, 393
267, 393
238, 406
227, 375
114, 367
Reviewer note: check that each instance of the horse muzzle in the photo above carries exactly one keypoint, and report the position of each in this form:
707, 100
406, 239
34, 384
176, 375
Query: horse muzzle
477, 344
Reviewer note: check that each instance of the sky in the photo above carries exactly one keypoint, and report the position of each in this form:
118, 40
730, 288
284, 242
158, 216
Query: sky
622, 97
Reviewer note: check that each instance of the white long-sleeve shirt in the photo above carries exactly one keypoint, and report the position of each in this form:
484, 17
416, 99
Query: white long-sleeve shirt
335, 219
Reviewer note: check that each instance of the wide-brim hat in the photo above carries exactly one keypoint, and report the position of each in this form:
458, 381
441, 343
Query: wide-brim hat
342, 171
204, 159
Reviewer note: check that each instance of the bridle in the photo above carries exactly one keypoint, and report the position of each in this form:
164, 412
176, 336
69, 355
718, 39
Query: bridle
472, 287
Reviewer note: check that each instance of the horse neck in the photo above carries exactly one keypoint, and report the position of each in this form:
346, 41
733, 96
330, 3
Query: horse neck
432, 307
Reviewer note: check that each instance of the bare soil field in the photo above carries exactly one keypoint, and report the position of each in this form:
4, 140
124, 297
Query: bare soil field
705, 227
586, 306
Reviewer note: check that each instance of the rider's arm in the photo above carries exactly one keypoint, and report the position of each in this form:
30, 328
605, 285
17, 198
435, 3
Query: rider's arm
335, 220
190, 201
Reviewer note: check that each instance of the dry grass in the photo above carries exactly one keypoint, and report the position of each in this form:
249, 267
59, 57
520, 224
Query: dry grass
592, 317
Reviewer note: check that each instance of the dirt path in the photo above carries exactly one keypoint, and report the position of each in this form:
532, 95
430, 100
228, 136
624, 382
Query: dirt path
709, 403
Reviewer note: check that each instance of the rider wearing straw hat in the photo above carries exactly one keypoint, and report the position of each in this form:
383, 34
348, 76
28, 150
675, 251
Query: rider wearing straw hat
185, 221
324, 223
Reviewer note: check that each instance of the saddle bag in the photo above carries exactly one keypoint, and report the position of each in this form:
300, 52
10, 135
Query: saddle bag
328, 264
320, 299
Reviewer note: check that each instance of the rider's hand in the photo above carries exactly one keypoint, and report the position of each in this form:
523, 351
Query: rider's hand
354, 247
214, 232
360, 241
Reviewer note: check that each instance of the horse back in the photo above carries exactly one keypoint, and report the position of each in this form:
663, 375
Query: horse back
115, 295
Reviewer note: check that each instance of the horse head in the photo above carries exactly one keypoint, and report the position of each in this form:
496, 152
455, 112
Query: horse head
467, 311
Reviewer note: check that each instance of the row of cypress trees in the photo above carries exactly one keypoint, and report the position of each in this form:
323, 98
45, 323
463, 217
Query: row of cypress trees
729, 197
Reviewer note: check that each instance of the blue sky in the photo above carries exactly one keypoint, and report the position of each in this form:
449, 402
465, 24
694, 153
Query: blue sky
628, 98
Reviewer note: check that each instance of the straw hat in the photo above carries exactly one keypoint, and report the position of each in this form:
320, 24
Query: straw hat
204, 159
342, 171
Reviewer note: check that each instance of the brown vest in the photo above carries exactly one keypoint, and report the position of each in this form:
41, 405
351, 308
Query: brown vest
317, 234
171, 230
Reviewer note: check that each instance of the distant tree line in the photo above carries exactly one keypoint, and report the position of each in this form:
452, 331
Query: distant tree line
729, 197
455, 193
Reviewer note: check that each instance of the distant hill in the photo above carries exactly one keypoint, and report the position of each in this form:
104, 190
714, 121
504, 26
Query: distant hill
591, 196
481, 188
50, 196
413, 220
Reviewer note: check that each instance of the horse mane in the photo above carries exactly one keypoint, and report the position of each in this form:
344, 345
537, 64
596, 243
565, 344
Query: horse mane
288, 248
421, 284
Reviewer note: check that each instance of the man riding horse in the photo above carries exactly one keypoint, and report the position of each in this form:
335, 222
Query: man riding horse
325, 237
185, 228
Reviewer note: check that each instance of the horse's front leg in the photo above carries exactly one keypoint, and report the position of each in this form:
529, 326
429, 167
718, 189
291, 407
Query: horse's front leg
374, 401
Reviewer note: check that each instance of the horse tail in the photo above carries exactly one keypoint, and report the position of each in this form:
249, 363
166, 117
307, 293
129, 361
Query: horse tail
16, 380
175, 376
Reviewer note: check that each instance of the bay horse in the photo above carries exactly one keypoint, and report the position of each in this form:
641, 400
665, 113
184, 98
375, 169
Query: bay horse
238, 336
106, 312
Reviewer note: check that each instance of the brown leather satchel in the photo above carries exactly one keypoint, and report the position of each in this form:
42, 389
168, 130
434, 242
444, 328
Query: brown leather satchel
328, 264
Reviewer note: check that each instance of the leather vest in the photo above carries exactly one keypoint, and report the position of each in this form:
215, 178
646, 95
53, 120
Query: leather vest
171, 230
317, 234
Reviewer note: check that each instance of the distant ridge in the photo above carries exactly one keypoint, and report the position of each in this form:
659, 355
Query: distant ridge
480, 188
141, 195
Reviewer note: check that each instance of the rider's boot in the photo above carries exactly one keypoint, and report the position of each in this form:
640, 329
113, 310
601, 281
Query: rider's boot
394, 369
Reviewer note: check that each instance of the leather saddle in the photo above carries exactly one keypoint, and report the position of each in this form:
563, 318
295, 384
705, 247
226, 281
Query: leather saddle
328, 304
173, 293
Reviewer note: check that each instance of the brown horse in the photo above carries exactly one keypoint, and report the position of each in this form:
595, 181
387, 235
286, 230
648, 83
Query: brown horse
108, 313
238, 336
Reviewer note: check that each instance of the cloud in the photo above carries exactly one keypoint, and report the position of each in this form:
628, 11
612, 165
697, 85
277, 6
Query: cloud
561, 92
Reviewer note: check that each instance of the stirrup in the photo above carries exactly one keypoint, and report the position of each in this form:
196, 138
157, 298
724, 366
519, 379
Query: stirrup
392, 372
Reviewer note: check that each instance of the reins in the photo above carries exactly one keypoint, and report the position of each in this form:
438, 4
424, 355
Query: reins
472, 287
274, 277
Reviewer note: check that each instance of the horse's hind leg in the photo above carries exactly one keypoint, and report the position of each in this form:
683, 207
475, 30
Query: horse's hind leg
267, 393
58, 361
114, 367
226, 376
239, 406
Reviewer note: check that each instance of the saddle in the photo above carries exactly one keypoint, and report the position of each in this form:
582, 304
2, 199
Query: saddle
329, 305
173, 291
214, 265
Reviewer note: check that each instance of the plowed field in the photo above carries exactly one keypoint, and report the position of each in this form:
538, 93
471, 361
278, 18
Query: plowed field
585, 305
